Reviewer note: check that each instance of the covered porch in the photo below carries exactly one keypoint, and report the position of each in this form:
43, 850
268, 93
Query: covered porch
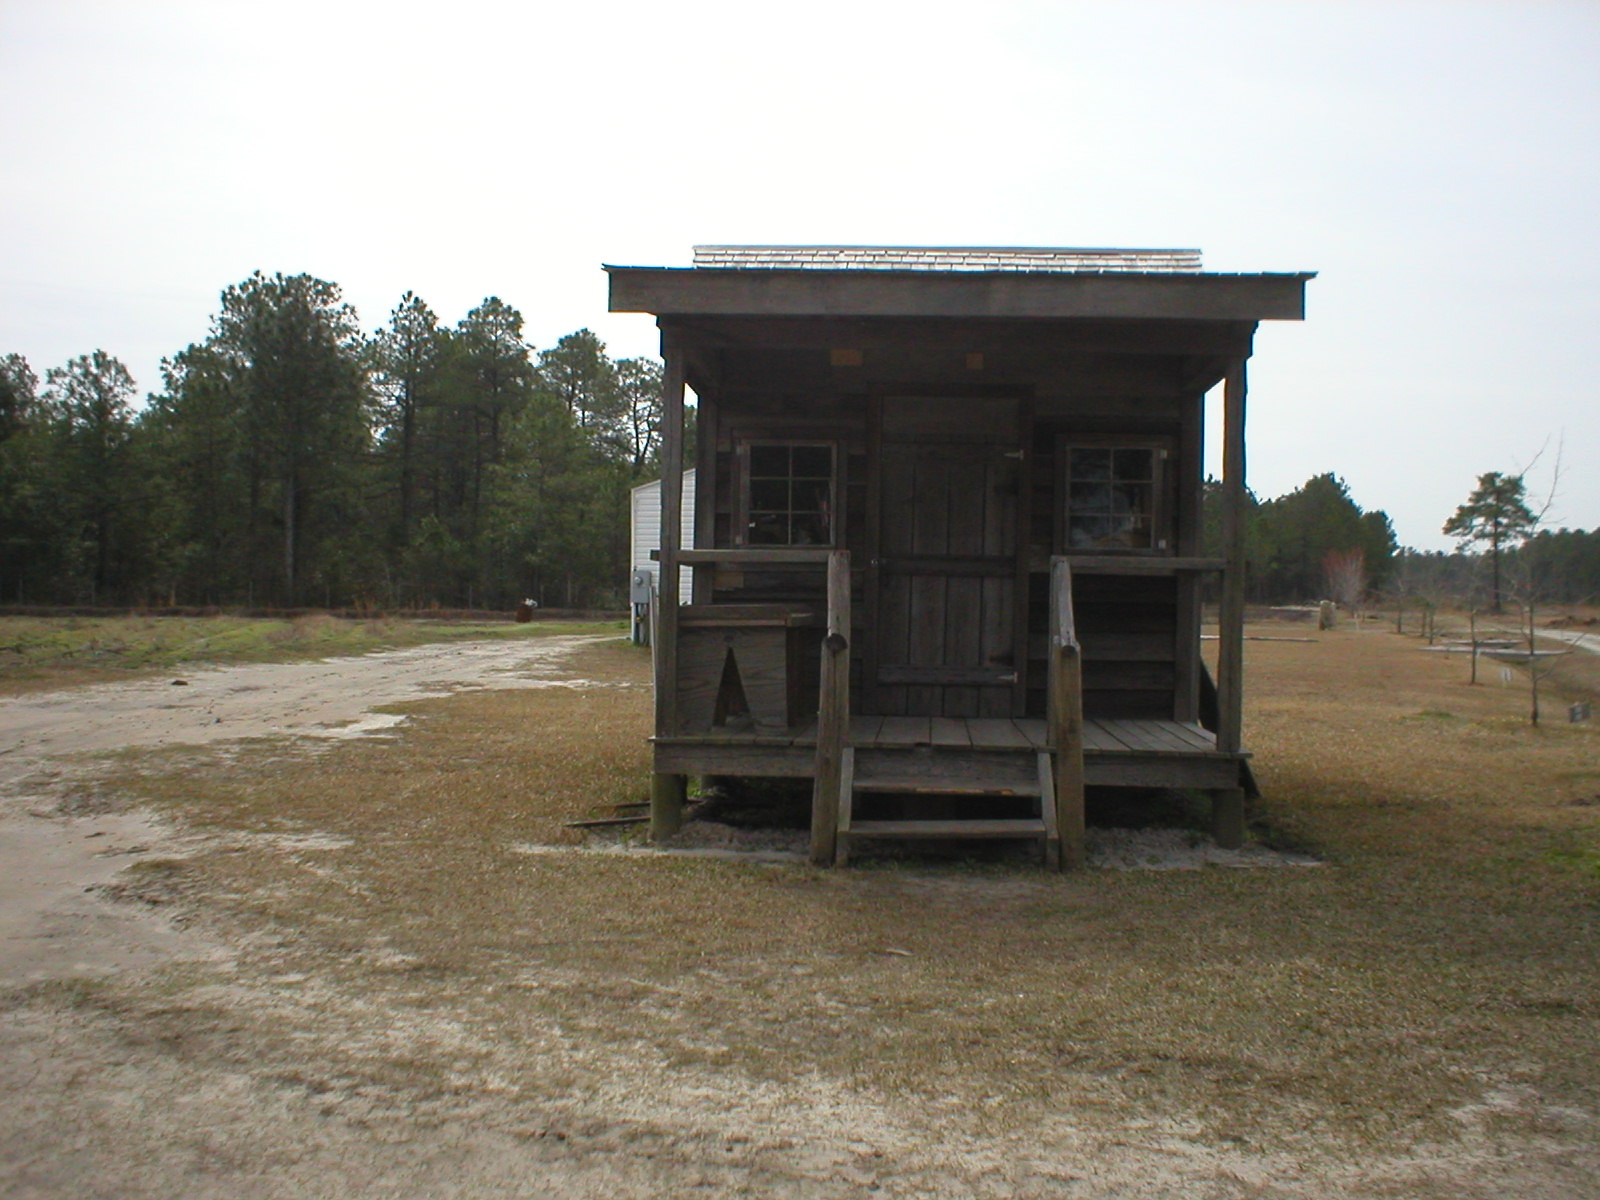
760, 719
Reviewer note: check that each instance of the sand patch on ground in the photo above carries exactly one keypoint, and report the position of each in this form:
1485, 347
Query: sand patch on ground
1107, 849
61, 844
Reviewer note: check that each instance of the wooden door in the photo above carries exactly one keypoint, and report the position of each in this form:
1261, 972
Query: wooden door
946, 571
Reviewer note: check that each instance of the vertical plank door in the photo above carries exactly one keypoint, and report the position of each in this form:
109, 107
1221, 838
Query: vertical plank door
947, 559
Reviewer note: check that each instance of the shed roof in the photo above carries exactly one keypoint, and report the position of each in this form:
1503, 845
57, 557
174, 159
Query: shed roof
959, 282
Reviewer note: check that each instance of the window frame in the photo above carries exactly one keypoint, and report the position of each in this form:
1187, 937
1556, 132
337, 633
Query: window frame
1162, 530
744, 481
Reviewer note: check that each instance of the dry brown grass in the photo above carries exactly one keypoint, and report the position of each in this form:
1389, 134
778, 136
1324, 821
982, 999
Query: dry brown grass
1450, 946
1574, 675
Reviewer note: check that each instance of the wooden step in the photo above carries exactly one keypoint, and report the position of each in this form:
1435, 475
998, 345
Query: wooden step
994, 775
1021, 827
925, 785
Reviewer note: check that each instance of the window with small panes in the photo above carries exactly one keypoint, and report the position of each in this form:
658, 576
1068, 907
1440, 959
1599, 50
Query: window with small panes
1113, 498
789, 494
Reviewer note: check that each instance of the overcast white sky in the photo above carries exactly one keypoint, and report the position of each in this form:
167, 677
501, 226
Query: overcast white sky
1437, 163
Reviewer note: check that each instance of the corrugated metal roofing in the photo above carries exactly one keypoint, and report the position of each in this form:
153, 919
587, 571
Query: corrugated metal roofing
1064, 260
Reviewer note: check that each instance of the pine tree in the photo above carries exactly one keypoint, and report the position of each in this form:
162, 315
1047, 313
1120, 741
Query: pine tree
91, 418
407, 361
1496, 513
23, 532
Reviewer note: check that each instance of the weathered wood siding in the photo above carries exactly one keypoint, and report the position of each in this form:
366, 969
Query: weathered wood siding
949, 498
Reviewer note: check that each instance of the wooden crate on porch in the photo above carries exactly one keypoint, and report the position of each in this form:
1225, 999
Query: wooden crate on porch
744, 666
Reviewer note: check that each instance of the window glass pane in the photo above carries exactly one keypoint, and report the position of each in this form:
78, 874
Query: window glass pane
769, 529
771, 495
1087, 465
1130, 498
1087, 532
809, 529
1129, 531
1133, 465
813, 462
811, 495
1090, 497
769, 461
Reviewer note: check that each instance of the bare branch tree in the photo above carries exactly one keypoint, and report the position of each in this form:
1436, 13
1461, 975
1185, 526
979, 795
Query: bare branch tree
1344, 572
1529, 588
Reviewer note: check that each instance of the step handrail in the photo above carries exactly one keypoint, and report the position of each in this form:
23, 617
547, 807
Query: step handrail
1066, 714
833, 713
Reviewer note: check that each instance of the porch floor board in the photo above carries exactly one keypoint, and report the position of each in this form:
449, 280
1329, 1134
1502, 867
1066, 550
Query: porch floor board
1116, 752
1105, 735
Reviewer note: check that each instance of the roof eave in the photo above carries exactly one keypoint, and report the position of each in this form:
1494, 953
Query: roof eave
1054, 295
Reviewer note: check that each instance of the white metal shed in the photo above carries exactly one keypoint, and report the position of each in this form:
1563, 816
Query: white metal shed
645, 537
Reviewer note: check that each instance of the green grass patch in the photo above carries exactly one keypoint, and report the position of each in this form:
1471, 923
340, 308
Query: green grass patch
1580, 853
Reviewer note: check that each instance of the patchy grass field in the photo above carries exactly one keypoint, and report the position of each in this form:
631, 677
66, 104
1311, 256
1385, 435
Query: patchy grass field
37, 653
425, 955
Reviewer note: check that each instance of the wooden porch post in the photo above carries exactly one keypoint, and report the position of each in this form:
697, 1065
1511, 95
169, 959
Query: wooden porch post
1066, 716
833, 714
667, 791
1227, 804
1230, 614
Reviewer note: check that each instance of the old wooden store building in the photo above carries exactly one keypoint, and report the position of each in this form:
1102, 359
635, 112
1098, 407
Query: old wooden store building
946, 553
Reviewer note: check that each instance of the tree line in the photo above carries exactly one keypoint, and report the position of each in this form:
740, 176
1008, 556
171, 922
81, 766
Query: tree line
1552, 566
1301, 547
1295, 542
292, 460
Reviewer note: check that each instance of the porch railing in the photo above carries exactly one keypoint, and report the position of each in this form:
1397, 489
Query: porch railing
833, 713
1065, 715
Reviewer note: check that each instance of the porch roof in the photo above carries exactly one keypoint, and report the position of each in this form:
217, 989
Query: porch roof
962, 282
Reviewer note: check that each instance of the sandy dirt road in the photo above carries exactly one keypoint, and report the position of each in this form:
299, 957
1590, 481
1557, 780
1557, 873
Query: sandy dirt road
330, 698
1576, 638
51, 924
98, 1109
